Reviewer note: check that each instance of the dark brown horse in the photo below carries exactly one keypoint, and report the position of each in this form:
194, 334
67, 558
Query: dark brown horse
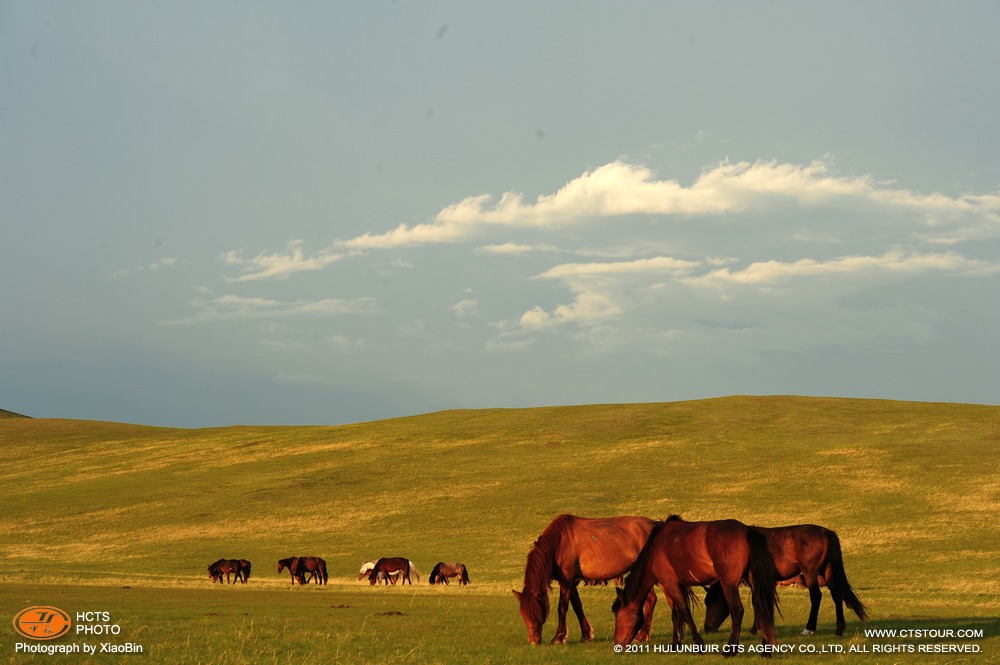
571, 549
227, 567
806, 554
298, 566
389, 565
443, 571
679, 555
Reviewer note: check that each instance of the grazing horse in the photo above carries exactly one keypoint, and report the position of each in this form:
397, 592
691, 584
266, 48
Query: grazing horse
367, 566
298, 566
387, 566
227, 567
443, 571
571, 549
805, 554
679, 555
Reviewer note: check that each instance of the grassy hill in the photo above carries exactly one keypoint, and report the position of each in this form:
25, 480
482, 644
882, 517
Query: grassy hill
10, 414
913, 489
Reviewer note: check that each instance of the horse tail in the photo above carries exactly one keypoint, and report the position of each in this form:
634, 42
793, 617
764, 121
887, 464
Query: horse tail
763, 589
836, 559
413, 569
322, 570
465, 574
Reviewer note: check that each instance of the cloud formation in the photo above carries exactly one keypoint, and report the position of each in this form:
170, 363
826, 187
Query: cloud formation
278, 264
231, 307
620, 188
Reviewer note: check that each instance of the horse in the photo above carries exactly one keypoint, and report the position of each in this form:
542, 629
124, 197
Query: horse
299, 566
572, 548
227, 567
679, 555
443, 571
389, 565
367, 566
803, 554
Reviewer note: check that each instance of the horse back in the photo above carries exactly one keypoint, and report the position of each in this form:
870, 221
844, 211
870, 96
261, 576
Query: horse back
798, 548
604, 548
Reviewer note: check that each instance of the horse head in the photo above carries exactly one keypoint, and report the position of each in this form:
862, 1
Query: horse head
628, 617
534, 606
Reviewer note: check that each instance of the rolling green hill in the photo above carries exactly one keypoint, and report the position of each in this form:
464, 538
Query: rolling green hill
913, 489
892, 478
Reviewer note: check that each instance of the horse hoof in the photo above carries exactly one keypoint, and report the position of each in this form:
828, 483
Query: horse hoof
808, 632
559, 639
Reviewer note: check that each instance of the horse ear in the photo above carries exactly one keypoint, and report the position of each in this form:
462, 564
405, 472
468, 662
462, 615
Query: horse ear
517, 594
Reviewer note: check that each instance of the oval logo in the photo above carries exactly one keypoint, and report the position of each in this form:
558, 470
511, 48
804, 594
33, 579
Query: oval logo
42, 622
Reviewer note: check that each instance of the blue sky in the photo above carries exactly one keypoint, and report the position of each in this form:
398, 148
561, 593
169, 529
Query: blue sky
222, 213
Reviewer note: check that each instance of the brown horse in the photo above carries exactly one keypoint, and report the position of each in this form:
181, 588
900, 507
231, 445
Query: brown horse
679, 555
443, 571
298, 566
571, 549
228, 567
390, 565
806, 554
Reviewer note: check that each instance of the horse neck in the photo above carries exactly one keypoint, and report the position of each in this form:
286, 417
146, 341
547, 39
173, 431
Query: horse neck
541, 560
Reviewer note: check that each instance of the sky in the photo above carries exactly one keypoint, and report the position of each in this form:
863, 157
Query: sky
320, 213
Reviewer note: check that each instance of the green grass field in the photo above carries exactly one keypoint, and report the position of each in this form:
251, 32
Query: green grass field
125, 519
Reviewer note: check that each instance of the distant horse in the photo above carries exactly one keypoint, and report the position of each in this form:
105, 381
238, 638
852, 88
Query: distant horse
679, 555
226, 567
298, 566
367, 566
389, 565
803, 554
573, 548
443, 571
620, 580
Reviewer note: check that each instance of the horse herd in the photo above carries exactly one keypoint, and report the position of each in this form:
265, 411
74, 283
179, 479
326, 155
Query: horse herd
679, 556
641, 553
386, 570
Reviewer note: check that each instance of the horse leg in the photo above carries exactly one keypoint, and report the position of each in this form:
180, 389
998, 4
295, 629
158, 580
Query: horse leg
647, 614
838, 603
689, 620
732, 592
586, 629
815, 596
560, 636
676, 614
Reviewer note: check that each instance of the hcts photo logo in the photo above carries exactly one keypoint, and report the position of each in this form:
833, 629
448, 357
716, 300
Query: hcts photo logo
42, 622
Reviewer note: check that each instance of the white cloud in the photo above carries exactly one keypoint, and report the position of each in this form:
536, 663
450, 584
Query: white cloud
465, 309
899, 262
514, 248
620, 188
278, 264
233, 307
166, 262
345, 344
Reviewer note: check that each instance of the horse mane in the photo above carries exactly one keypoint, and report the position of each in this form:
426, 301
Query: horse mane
675, 518
542, 556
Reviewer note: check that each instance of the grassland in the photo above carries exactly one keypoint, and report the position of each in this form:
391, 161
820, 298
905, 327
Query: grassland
125, 519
